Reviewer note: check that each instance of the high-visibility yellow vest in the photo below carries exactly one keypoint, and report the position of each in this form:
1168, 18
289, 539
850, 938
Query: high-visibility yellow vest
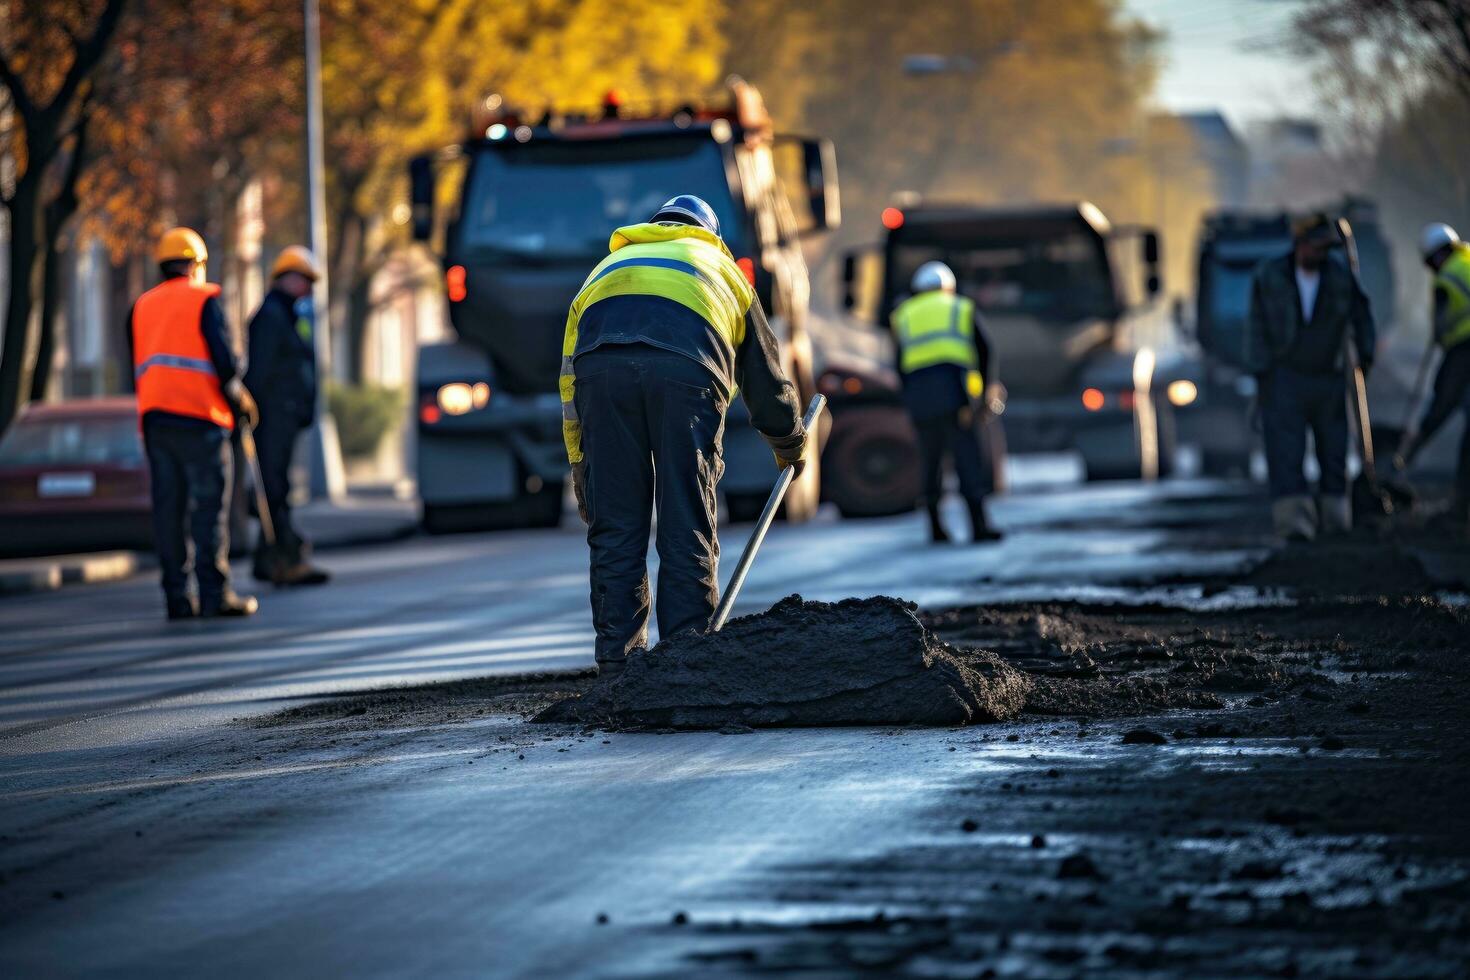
937, 327
682, 263
1454, 278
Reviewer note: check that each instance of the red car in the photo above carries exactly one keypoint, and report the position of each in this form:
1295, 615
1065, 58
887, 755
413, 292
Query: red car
73, 477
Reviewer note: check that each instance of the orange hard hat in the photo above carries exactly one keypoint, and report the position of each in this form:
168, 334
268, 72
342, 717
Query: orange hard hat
180, 244
298, 259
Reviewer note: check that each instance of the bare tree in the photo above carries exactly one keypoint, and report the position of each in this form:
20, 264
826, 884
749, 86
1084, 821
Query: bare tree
52, 114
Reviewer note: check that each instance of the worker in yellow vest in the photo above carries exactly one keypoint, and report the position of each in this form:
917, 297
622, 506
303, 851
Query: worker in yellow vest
189, 394
944, 359
1449, 259
659, 338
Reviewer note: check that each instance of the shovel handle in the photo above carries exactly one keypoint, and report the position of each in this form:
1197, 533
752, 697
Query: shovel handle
783, 483
262, 505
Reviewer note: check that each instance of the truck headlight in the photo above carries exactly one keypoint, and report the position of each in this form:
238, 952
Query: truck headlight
1181, 392
456, 398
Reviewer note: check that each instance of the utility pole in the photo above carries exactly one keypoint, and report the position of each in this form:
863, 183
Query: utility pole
327, 477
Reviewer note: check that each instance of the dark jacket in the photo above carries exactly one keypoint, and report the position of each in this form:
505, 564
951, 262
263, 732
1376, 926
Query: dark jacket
1276, 335
221, 355
775, 406
282, 357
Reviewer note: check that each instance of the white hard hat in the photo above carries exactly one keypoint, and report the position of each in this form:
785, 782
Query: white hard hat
1435, 237
931, 276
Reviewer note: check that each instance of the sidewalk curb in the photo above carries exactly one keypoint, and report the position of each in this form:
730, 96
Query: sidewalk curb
22, 575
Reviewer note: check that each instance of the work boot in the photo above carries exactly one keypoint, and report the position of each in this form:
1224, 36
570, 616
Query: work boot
230, 605
937, 533
181, 607
1294, 518
609, 669
302, 574
1335, 514
980, 529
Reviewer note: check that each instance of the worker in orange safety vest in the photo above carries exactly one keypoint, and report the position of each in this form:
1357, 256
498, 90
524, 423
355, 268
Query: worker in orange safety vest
187, 379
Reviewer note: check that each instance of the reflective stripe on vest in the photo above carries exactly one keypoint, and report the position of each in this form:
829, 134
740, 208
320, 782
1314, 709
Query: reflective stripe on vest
1454, 278
935, 328
172, 368
682, 263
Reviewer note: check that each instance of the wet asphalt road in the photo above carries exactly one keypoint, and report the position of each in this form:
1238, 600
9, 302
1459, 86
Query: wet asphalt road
146, 829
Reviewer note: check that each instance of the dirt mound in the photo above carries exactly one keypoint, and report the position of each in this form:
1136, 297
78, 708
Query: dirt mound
1356, 565
855, 662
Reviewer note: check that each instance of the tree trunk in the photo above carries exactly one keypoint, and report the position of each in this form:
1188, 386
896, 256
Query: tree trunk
25, 283
41, 374
358, 306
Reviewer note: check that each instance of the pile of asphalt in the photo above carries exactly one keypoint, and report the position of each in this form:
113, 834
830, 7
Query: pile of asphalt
800, 664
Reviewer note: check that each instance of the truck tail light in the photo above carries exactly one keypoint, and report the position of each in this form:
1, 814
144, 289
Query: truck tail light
747, 266
455, 281
1092, 400
892, 219
429, 413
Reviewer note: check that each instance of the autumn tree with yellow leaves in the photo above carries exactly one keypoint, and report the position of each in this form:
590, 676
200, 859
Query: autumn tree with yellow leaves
1033, 102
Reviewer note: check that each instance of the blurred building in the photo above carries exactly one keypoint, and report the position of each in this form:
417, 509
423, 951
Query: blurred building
1223, 154
1292, 166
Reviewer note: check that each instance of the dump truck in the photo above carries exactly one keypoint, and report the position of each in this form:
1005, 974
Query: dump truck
532, 213
1058, 286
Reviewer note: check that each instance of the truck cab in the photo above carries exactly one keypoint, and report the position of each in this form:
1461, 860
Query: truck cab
1058, 287
532, 214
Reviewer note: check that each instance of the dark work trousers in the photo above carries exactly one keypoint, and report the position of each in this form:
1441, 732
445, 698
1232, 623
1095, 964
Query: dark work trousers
652, 424
956, 435
275, 441
190, 466
1292, 403
1451, 395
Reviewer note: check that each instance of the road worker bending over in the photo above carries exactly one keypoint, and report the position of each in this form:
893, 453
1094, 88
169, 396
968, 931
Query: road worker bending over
661, 335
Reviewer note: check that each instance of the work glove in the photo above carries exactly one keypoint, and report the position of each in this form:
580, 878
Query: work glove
242, 403
790, 450
579, 489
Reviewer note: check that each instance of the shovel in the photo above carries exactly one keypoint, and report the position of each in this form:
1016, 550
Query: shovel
1410, 428
247, 443
783, 483
1367, 494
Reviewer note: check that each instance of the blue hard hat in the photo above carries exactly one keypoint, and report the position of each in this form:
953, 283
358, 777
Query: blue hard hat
689, 210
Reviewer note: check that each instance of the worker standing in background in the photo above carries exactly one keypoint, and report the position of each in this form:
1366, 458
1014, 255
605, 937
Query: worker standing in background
1303, 310
189, 395
660, 336
944, 359
282, 369
1449, 259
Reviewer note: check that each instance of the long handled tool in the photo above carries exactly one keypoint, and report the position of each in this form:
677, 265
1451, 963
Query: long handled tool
1410, 428
783, 482
1369, 475
247, 442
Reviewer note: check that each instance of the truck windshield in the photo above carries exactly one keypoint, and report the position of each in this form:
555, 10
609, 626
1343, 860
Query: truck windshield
560, 199
1061, 279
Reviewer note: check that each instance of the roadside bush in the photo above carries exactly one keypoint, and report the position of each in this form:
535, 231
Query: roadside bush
365, 413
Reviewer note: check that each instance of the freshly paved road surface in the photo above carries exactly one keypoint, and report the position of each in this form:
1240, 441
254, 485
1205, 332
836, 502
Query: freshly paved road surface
146, 829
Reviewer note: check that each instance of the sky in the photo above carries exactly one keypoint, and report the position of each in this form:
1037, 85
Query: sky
1220, 54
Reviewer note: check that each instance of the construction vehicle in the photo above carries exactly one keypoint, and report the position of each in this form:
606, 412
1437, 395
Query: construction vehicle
1232, 244
537, 203
1055, 286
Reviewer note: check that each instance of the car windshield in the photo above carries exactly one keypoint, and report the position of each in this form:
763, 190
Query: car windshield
55, 442
1063, 278
562, 199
